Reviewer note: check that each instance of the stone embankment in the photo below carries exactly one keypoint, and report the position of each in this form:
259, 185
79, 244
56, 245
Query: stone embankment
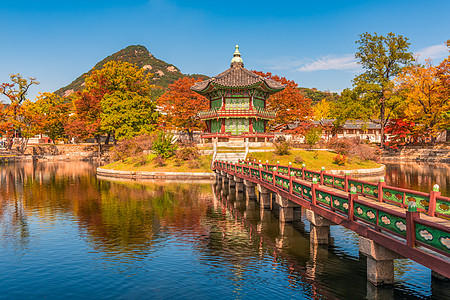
153, 175
65, 152
437, 154
68, 152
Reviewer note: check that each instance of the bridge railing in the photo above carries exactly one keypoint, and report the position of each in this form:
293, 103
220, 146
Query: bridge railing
431, 203
406, 225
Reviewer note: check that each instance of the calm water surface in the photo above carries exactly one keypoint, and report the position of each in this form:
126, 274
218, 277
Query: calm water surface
66, 234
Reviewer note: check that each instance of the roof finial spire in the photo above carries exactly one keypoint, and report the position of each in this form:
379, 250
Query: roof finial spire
237, 57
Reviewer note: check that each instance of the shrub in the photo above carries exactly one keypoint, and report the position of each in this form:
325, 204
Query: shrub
341, 145
354, 148
131, 147
194, 163
187, 153
162, 145
312, 136
139, 160
282, 146
340, 160
159, 161
299, 160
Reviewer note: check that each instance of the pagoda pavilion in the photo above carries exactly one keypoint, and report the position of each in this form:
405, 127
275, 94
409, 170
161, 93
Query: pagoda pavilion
237, 104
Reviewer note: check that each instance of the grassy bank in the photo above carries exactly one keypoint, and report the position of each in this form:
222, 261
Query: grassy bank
314, 160
147, 164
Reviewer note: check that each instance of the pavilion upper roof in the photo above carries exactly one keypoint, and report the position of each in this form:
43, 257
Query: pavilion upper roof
237, 77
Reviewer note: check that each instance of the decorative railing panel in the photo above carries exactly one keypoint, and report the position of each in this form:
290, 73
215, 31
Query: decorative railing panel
323, 197
392, 223
283, 170
340, 203
365, 213
443, 207
267, 177
433, 237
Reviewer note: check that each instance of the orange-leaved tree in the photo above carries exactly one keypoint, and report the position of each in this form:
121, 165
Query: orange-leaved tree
443, 73
419, 86
290, 104
180, 105
12, 122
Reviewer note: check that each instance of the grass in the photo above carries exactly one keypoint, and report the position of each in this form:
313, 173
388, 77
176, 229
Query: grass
314, 160
146, 164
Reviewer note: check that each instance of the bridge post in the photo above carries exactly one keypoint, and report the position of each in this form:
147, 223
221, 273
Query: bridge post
380, 261
320, 228
250, 188
231, 182
239, 184
286, 209
264, 197
224, 180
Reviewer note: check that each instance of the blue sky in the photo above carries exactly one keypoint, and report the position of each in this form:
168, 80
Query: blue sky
311, 42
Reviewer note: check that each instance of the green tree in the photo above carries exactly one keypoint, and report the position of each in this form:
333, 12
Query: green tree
115, 81
312, 136
128, 114
372, 97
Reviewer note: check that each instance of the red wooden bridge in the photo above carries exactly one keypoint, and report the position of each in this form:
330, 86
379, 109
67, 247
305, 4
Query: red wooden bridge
412, 224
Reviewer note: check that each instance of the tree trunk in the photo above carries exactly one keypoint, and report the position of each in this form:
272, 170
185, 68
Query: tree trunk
191, 135
447, 136
97, 138
107, 138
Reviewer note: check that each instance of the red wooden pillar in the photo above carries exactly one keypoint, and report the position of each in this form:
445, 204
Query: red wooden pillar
352, 196
250, 125
303, 171
222, 128
432, 202
411, 216
313, 190
321, 175
273, 177
346, 177
381, 185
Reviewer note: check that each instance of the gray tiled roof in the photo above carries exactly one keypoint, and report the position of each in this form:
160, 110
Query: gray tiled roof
236, 77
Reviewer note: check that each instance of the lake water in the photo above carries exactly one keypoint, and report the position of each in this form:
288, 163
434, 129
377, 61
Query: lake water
66, 234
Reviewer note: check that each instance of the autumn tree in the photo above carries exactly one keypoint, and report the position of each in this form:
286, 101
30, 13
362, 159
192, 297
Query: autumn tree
115, 77
322, 110
372, 97
54, 111
419, 86
289, 104
12, 121
179, 106
443, 73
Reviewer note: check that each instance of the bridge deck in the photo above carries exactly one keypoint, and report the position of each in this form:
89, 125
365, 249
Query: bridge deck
424, 238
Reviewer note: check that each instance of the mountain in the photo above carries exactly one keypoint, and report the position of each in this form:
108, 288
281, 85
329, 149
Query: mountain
163, 73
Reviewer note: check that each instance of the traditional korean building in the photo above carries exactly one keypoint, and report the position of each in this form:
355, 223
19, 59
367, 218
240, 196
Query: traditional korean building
237, 103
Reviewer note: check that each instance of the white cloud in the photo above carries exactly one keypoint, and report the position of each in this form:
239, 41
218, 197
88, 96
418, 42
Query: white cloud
328, 62
346, 62
432, 52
